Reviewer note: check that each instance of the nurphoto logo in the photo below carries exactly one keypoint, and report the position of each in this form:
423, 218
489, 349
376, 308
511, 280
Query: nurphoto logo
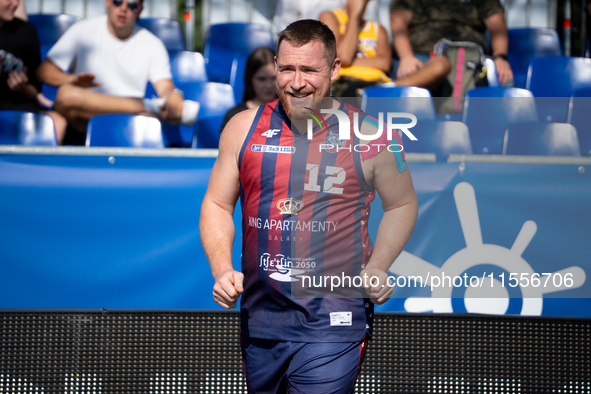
345, 124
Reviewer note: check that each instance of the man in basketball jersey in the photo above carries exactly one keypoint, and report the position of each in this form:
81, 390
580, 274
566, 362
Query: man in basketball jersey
305, 194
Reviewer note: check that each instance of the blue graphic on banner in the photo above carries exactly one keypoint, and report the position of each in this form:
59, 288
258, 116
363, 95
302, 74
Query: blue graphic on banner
86, 232
487, 222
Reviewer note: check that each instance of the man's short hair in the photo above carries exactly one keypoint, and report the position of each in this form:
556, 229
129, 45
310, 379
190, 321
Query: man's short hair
304, 31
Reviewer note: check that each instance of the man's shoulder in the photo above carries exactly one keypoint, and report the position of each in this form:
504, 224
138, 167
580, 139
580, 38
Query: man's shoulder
93, 22
240, 123
86, 28
145, 35
236, 131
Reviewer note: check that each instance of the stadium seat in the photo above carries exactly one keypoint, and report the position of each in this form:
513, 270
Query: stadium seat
541, 139
440, 137
124, 130
527, 43
26, 128
168, 30
579, 115
557, 77
488, 111
390, 98
215, 99
237, 76
187, 66
50, 27
225, 40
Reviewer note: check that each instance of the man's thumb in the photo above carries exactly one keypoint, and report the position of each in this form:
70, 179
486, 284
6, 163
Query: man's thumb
238, 278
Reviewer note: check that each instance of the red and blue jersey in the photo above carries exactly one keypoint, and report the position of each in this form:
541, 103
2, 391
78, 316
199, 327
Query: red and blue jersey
305, 207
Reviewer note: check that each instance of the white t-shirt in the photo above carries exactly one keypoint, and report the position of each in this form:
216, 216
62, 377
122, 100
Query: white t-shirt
123, 67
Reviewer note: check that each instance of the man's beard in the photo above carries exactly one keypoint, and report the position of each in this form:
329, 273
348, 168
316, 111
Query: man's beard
300, 111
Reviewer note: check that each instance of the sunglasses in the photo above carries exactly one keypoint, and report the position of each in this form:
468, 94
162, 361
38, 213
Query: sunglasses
133, 5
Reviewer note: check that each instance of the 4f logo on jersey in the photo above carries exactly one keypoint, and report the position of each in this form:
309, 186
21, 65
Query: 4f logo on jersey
270, 133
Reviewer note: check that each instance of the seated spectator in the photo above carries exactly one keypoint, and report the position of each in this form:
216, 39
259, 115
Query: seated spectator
19, 58
417, 25
365, 53
110, 60
259, 82
288, 11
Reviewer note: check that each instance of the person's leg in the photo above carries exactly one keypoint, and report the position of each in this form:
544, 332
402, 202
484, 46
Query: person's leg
60, 124
266, 363
430, 75
320, 368
78, 105
422, 56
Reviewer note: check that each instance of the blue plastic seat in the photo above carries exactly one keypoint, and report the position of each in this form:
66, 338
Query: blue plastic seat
440, 137
390, 98
50, 27
215, 99
124, 130
557, 77
26, 128
225, 40
187, 66
542, 139
528, 43
488, 111
237, 76
168, 30
579, 115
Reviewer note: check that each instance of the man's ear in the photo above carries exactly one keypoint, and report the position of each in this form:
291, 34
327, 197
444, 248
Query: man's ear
139, 10
336, 68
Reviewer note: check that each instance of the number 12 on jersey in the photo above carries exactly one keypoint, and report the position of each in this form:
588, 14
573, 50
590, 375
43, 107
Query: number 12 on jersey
334, 176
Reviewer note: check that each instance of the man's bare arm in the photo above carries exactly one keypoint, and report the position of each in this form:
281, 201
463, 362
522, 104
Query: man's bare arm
51, 74
172, 110
346, 43
216, 225
499, 41
399, 22
399, 202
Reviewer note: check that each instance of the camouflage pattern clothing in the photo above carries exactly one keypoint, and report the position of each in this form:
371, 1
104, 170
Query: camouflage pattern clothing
456, 20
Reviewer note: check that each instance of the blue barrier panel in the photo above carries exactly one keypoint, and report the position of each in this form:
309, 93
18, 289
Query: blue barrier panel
79, 232
122, 232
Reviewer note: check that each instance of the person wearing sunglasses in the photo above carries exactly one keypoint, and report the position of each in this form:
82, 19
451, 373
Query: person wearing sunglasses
102, 65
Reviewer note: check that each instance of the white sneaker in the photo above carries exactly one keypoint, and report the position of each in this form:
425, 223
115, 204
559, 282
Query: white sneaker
190, 109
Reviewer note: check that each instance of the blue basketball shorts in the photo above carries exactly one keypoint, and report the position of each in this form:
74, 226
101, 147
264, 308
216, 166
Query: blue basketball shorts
296, 367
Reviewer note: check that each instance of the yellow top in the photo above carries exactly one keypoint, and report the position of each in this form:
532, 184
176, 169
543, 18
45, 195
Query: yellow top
367, 45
